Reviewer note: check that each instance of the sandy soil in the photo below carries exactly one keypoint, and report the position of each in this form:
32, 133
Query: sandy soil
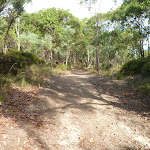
79, 111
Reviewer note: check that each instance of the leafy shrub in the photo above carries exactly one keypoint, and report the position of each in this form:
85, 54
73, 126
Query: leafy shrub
16, 61
106, 66
36, 74
146, 69
62, 67
144, 89
69, 66
5, 81
142, 85
137, 66
78, 65
119, 76
54, 65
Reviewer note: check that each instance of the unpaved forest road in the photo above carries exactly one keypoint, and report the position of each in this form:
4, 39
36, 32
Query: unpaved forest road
79, 111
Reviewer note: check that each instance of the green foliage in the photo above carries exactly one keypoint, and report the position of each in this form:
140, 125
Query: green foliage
120, 76
140, 71
132, 17
111, 72
79, 65
31, 42
137, 66
35, 75
142, 85
17, 5
106, 66
54, 65
62, 67
47, 41
146, 69
144, 89
69, 65
1, 100
5, 81
16, 61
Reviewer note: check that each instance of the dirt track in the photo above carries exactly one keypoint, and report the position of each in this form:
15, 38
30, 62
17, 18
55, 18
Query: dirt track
79, 111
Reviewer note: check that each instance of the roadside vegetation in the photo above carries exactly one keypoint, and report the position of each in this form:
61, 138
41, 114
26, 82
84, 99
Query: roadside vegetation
22, 69
139, 72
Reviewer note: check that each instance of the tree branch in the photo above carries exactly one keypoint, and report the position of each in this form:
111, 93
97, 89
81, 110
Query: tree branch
2, 8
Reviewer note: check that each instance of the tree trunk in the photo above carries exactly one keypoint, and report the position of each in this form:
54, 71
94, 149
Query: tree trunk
97, 59
5, 39
141, 48
51, 58
6, 3
88, 61
143, 54
67, 57
77, 57
5, 49
74, 58
148, 46
18, 32
58, 57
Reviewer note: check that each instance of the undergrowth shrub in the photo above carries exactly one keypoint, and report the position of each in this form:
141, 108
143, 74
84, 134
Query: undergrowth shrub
139, 69
146, 69
62, 67
16, 61
78, 65
69, 66
35, 75
105, 66
142, 85
144, 89
137, 66
54, 65
22, 68
5, 81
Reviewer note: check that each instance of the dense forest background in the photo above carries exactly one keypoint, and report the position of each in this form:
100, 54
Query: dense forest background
103, 42
56, 35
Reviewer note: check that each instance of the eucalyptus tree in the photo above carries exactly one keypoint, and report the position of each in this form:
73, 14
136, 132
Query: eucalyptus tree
3, 26
11, 37
89, 4
67, 42
53, 25
47, 48
30, 42
11, 9
45, 25
62, 26
16, 5
99, 40
70, 22
41, 46
48, 22
133, 15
